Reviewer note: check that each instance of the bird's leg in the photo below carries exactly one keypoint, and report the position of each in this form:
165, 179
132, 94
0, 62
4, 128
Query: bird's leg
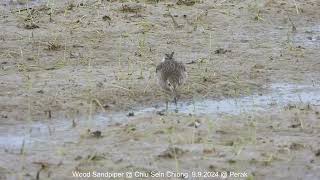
175, 102
167, 102
175, 99
167, 99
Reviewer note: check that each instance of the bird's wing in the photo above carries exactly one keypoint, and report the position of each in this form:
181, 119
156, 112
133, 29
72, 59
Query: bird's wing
158, 67
182, 66
183, 73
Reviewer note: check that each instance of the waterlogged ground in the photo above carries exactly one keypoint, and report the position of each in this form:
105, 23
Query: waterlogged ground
78, 90
276, 133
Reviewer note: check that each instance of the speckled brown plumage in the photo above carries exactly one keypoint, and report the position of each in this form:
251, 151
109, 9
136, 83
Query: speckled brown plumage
171, 74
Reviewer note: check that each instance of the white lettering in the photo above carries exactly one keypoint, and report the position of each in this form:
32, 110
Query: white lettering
81, 174
141, 174
157, 174
238, 174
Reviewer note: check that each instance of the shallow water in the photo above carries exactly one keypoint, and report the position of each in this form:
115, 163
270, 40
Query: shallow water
40, 134
280, 95
307, 37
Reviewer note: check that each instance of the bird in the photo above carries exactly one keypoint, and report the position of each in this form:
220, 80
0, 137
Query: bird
170, 75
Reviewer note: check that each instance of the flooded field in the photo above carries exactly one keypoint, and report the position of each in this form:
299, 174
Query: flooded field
78, 92
281, 96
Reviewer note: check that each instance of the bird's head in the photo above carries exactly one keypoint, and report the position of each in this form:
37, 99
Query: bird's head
168, 57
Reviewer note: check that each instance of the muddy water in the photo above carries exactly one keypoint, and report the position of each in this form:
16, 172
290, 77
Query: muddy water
307, 37
40, 135
280, 95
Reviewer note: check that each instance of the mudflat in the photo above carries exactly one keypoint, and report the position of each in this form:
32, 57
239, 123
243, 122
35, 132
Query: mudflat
78, 90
